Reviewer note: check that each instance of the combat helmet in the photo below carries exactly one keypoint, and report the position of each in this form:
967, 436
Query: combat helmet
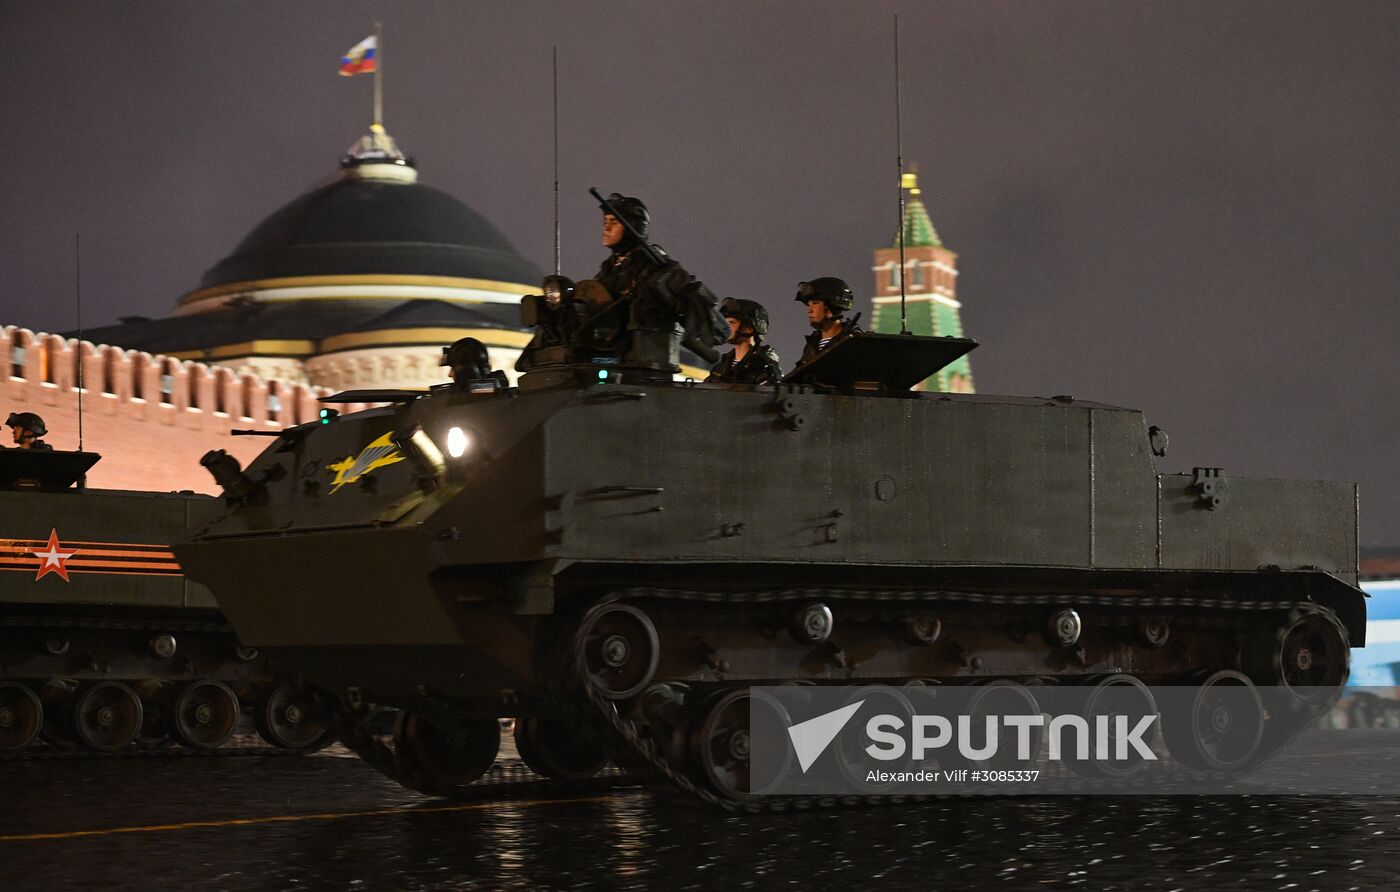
832, 291
28, 422
468, 359
558, 290
750, 313
633, 211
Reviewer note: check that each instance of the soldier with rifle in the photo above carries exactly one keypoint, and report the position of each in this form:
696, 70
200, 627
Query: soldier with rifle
650, 292
751, 361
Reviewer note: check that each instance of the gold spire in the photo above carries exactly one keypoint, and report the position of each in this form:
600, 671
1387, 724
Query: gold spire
918, 228
910, 180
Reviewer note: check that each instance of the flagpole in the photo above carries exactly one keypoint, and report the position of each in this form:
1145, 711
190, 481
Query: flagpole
378, 76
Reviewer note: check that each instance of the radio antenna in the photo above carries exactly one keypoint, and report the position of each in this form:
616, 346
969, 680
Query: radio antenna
556, 160
78, 293
899, 161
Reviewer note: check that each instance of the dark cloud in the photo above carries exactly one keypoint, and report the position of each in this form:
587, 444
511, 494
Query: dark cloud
1187, 207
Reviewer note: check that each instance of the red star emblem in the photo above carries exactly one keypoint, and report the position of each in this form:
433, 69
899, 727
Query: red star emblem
52, 560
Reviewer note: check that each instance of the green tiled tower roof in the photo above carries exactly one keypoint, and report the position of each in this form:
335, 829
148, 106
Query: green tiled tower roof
929, 271
918, 228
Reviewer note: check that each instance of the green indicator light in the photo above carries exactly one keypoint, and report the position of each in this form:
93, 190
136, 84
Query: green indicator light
327, 415
602, 374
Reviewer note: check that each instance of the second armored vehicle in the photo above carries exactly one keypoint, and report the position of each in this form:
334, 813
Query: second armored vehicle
104, 643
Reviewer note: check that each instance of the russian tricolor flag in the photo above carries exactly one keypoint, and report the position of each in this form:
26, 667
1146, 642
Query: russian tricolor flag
360, 58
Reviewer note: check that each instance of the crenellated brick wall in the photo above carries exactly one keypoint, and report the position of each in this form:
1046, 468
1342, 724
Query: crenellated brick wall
151, 417
413, 368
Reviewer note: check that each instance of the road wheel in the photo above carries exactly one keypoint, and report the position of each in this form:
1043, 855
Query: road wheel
447, 762
1218, 725
21, 716
286, 722
557, 750
205, 714
107, 716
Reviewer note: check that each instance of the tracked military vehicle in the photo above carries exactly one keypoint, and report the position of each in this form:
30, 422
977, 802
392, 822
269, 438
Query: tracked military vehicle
614, 558
105, 645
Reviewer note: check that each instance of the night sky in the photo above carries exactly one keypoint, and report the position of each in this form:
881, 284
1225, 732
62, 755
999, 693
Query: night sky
1188, 208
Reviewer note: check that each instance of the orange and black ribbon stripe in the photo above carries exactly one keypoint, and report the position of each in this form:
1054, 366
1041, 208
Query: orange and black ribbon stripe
122, 558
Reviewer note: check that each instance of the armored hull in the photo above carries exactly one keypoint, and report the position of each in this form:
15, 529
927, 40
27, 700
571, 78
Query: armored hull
597, 539
104, 642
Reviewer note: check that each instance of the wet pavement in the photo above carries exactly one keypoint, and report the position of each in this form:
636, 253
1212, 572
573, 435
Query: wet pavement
329, 821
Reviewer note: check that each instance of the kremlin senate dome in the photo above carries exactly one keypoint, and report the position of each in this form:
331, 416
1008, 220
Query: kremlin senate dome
365, 223
356, 284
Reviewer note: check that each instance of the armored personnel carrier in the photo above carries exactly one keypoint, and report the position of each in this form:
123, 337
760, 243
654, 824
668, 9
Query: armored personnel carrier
104, 643
605, 550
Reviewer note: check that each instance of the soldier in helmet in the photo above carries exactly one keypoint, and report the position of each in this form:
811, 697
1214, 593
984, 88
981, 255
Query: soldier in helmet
27, 428
469, 365
657, 291
555, 315
828, 300
751, 361
625, 266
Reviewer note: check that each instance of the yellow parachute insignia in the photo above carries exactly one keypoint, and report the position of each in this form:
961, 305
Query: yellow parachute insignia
376, 455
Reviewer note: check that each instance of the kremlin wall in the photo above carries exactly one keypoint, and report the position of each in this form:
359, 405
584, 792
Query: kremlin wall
357, 284
151, 417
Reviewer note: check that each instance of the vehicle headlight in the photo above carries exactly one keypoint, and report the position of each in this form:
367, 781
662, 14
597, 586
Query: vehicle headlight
458, 442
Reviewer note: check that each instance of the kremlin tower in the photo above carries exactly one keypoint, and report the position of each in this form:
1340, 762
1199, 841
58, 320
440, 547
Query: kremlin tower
930, 278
